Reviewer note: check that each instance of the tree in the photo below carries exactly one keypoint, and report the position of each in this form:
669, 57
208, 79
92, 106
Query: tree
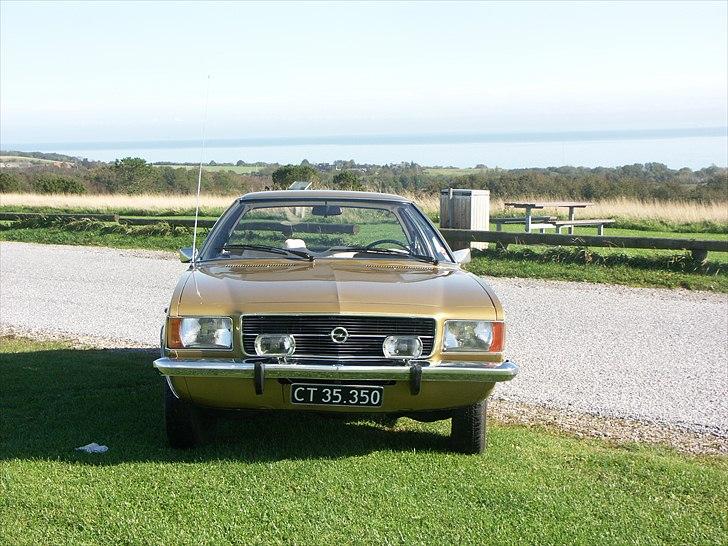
131, 174
239, 163
347, 180
287, 175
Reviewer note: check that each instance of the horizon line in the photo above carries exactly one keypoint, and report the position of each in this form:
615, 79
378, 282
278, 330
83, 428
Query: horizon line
389, 139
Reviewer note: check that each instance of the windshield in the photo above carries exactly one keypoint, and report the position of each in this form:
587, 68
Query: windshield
324, 229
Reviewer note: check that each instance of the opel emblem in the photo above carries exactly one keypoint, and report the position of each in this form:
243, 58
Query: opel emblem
339, 335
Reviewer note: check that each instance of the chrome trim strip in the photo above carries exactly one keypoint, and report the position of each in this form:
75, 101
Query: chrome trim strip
171, 387
350, 335
486, 372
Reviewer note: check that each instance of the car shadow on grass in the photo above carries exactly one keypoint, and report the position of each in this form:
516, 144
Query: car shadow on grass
52, 401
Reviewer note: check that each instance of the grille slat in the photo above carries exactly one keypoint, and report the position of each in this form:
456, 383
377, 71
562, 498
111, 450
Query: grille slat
366, 333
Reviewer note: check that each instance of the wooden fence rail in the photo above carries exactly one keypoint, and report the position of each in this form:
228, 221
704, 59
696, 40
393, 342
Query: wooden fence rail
302, 227
11, 216
461, 238
183, 222
457, 238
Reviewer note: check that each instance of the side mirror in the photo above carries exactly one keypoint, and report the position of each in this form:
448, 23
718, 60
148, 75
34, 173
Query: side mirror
462, 256
185, 254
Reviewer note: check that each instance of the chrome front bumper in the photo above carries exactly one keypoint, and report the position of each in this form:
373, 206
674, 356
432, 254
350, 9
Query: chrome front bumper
485, 372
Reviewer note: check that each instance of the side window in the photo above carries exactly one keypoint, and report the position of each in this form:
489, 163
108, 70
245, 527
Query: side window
426, 241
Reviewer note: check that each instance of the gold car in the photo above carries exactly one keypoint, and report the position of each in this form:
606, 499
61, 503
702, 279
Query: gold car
331, 301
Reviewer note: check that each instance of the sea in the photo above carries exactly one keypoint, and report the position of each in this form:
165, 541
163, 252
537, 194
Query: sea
677, 148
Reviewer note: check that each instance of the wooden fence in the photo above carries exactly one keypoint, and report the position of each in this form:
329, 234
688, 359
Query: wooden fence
457, 238
461, 238
12, 216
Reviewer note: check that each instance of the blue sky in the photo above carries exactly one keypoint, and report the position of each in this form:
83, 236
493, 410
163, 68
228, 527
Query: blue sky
137, 71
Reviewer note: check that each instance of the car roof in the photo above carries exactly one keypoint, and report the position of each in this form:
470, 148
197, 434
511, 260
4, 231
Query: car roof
322, 194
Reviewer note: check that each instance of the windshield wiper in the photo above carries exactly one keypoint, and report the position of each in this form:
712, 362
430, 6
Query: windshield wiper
389, 252
273, 250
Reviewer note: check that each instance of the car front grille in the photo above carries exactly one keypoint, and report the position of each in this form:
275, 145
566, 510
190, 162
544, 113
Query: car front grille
313, 333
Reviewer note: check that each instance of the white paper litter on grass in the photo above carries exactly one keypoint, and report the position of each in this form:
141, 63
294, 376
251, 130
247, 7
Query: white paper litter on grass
93, 448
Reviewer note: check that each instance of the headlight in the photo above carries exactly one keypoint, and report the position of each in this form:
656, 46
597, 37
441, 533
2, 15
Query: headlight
200, 333
402, 347
473, 336
275, 345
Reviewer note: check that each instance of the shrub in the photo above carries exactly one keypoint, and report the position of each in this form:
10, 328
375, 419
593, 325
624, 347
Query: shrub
160, 228
347, 180
9, 182
84, 224
287, 175
33, 222
52, 183
114, 228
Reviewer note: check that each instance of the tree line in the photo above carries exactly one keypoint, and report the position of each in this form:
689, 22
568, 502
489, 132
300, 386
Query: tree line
134, 175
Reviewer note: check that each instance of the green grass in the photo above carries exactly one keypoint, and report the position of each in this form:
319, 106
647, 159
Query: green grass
633, 253
675, 233
312, 480
207, 212
24, 159
695, 228
660, 270
634, 267
623, 224
169, 241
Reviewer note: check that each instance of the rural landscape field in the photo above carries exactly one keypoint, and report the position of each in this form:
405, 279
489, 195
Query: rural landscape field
643, 200
548, 476
390, 273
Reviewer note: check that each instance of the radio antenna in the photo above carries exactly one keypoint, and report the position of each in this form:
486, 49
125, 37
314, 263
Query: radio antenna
199, 175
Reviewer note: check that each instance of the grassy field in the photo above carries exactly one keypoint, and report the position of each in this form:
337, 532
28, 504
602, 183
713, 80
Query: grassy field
675, 216
620, 266
29, 160
240, 169
634, 267
310, 480
663, 269
578, 265
453, 171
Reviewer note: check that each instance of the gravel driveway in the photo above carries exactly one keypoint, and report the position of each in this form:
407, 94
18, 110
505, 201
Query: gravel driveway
649, 354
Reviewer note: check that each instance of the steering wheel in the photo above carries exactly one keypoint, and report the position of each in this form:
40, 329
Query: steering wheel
392, 241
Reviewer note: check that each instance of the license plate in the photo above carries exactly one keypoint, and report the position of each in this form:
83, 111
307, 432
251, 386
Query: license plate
336, 395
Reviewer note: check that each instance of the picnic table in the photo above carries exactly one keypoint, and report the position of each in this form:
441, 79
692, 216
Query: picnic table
530, 205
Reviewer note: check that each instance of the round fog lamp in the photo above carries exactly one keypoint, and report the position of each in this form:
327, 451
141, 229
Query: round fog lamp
274, 345
402, 347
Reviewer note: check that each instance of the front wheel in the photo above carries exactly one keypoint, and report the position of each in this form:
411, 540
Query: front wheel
468, 432
184, 422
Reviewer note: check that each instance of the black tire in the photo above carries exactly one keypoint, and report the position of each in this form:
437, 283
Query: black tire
468, 433
184, 422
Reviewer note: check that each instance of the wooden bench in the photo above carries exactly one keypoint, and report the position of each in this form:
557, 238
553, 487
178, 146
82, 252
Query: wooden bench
541, 222
598, 223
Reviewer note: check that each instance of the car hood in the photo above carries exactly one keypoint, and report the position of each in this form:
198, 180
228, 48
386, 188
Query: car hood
335, 286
